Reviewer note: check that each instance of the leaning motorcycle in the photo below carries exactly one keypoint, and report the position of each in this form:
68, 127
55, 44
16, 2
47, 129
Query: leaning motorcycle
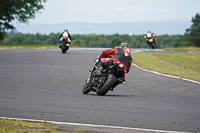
102, 80
65, 44
151, 43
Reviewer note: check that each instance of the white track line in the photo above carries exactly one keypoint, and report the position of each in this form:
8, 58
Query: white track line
90, 125
166, 75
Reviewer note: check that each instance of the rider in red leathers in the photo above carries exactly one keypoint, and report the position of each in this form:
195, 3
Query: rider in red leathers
121, 55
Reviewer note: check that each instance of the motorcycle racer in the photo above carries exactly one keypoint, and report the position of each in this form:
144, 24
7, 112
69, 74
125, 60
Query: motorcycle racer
148, 36
65, 34
121, 55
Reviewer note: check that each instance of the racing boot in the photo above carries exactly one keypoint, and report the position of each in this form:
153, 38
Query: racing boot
117, 81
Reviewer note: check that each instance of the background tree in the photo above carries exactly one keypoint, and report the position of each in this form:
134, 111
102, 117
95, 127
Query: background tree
192, 35
116, 42
77, 43
20, 10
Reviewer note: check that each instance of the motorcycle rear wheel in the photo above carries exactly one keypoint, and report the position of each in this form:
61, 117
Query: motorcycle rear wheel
106, 87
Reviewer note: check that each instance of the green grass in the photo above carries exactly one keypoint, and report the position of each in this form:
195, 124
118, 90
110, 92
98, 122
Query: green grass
18, 130
38, 127
27, 124
181, 65
189, 49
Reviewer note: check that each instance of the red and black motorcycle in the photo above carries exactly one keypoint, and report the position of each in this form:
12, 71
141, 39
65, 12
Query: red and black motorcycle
102, 81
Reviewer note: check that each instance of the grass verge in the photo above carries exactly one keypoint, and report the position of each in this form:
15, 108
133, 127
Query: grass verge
18, 126
188, 49
181, 65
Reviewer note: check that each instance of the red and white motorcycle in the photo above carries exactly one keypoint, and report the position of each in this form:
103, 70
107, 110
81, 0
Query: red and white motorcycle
65, 43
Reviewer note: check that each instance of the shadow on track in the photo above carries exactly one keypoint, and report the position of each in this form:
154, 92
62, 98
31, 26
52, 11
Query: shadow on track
114, 95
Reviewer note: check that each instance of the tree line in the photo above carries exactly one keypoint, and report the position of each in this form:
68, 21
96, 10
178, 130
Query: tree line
23, 10
93, 40
192, 34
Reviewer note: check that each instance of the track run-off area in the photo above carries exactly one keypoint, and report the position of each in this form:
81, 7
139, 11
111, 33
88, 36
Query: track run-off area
44, 84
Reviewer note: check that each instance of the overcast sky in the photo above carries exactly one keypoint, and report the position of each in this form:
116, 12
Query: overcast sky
109, 11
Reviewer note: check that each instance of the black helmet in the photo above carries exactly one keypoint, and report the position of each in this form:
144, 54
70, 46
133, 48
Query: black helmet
123, 45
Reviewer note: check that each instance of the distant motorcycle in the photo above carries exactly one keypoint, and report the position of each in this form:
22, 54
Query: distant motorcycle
65, 44
150, 41
101, 81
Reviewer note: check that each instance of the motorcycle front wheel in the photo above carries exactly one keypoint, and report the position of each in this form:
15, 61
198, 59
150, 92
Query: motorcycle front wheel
86, 88
106, 87
64, 48
152, 46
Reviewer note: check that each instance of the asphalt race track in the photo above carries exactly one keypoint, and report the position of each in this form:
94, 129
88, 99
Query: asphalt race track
45, 84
